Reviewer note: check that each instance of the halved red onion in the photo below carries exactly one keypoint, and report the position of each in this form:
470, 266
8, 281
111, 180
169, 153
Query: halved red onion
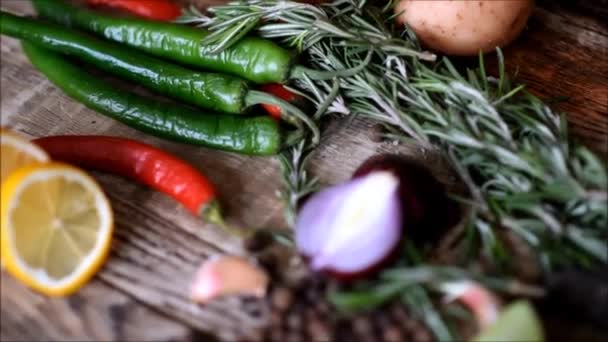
350, 228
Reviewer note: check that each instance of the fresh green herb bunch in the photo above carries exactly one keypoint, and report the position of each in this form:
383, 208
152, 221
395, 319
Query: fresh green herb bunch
512, 151
524, 174
301, 25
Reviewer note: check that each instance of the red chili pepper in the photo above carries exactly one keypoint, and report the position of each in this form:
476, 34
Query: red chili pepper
281, 92
141, 162
163, 10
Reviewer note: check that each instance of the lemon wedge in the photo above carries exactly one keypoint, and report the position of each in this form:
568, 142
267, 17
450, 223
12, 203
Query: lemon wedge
56, 227
16, 151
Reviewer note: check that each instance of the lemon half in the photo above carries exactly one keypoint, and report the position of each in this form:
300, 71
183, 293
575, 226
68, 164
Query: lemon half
56, 227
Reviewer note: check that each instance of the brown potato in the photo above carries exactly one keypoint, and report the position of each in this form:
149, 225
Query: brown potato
465, 27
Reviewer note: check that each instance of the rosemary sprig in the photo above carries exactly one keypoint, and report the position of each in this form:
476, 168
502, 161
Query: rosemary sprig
296, 179
522, 171
414, 283
295, 159
299, 25
511, 150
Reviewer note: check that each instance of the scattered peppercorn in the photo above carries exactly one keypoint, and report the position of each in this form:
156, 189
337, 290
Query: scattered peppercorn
301, 312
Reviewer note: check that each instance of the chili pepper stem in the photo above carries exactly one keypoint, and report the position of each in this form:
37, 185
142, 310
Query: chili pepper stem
294, 137
289, 112
301, 72
212, 213
255, 97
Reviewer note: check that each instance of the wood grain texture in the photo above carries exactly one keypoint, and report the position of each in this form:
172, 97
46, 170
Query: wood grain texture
97, 313
142, 291
563, 59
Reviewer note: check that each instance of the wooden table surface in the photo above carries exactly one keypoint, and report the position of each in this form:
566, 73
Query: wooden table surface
142, 291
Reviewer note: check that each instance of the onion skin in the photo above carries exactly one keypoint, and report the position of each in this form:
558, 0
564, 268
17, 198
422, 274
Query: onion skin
464, 28
426, 208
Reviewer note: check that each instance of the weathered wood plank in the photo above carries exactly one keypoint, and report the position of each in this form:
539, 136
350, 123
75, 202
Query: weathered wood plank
563, 55
97, 313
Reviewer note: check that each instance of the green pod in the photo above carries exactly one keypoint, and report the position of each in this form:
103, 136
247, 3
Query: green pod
255, 59
253, 136
217, 92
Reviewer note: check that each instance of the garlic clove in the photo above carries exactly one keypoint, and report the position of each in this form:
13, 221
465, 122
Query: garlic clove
483, 303
228, 275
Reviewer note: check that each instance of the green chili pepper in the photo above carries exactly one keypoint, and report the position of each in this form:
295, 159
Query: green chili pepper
213, 91
255, 136
255, 59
